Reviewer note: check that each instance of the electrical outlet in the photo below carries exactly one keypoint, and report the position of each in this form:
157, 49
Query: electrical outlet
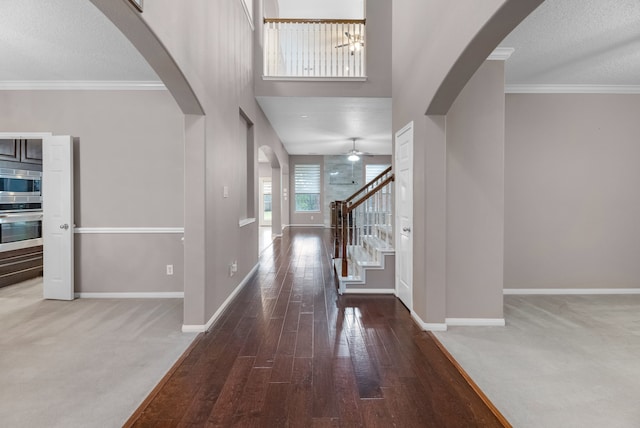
311, 217
169, 269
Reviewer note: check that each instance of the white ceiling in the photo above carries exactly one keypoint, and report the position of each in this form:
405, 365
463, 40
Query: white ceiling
326, 125
577, 42
326, 9
580, 42
69, 40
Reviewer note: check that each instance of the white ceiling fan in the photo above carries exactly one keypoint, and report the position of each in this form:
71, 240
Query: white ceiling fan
355, 42
353, 154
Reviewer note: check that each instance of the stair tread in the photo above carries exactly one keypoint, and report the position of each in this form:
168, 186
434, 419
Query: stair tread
378, 243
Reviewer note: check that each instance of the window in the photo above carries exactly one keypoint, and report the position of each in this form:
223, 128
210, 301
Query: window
307, 187
372, 171
266, 200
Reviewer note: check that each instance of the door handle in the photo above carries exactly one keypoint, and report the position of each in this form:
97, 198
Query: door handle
64, 226
406, 229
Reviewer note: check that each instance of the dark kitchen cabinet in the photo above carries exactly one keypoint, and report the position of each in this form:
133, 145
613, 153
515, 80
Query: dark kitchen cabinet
26, 151
31, 150
10, 150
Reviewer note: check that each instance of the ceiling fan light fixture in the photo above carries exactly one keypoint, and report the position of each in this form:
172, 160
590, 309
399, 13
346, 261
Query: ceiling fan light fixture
353, 157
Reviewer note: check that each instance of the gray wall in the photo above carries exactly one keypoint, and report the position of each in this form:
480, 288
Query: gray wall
129, 169
475, 196
199, 36
571, 194
378, 44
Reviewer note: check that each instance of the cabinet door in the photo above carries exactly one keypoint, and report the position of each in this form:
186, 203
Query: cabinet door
31, 151
9, 149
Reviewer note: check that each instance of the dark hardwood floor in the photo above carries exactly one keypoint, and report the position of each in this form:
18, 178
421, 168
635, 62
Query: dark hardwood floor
290, 352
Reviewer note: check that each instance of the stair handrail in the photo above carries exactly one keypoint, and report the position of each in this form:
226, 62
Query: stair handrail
352, 206
363, 188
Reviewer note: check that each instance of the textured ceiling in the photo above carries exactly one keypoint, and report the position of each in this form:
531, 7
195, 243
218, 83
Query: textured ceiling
577, 42
68, 40
330, 123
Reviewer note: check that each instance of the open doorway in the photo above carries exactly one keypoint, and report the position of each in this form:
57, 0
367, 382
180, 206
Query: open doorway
265, 202
269, 195
27, 161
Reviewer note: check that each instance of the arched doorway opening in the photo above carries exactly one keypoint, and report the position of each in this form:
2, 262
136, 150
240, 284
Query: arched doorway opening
269, 197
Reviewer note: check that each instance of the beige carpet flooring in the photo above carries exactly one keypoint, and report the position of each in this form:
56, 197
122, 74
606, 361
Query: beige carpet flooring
85, 363
561, 361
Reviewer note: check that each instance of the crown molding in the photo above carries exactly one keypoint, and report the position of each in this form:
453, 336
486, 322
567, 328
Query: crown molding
81, 85
501, 54
572, 89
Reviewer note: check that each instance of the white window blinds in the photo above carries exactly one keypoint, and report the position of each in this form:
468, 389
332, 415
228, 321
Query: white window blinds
307, 188
372, 171
307, 178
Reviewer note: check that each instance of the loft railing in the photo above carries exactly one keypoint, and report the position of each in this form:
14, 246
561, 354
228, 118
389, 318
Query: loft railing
320, 48
364, 215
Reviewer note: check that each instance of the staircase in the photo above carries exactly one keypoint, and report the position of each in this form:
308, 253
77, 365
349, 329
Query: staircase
364, 257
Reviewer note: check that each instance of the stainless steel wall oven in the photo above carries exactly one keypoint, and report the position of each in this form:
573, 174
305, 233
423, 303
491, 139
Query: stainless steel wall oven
20, 209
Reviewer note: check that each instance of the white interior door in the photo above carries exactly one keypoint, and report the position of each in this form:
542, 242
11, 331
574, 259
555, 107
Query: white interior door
404, 214
57, 224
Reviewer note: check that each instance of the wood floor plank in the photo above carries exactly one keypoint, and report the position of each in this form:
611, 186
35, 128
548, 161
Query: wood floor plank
324, 400
290, 351
254, 395
304, 343
225, 407
346, 393
276, 406
271, 337
300, 394
376, 415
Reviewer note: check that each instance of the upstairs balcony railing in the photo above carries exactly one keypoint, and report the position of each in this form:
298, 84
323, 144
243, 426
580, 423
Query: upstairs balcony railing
314, 48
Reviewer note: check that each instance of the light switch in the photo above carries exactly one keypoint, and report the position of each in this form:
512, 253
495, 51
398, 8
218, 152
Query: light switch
225, 191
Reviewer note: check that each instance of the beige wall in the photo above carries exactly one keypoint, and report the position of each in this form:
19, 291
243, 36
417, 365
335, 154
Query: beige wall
475, 196
455, 38
213, 44
571, 194
129, 169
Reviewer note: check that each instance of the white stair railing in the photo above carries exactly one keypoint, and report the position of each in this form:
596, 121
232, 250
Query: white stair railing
318, 48
366, 215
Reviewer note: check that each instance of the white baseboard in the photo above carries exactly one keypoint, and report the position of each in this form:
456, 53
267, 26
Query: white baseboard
428, 326
195, 328
306, 225
475, 322
370, 291
560, 291
163, 295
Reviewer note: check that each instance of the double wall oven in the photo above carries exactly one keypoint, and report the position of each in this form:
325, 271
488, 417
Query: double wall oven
20, 209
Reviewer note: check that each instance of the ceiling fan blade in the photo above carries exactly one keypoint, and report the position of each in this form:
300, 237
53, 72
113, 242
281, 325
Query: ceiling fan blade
343, 45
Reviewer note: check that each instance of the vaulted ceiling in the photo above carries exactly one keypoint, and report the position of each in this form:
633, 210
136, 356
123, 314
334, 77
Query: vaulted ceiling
564, 42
